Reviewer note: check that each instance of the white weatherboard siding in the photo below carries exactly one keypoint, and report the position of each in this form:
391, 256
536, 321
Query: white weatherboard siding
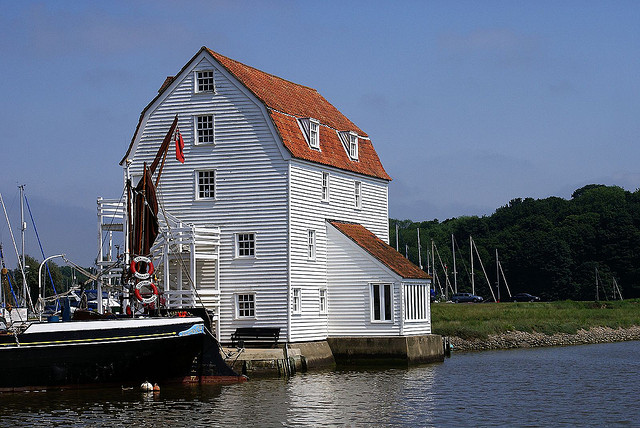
309, 212
350, 272
250, 187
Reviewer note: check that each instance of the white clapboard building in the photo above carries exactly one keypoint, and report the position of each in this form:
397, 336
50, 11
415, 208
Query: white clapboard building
279, 215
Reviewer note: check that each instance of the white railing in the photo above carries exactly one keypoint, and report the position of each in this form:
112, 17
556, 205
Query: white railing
179, 245
111, 213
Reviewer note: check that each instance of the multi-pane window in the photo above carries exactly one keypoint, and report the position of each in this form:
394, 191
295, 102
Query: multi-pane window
353, 146
246, 244
325, 186
358, 194
314, 134
416, 301
297, 300
206, 184
245, 305
204, 129
381, 302
323, 300
205, 81
312, 245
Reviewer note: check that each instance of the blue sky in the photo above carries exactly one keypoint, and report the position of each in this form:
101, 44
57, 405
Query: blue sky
469, 104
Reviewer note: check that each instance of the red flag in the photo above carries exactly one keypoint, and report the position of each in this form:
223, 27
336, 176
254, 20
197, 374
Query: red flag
179, 147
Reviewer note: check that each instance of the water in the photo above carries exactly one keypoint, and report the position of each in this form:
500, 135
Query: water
593, 385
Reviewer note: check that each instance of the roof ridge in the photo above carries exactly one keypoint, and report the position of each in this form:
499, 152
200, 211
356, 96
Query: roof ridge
214, 53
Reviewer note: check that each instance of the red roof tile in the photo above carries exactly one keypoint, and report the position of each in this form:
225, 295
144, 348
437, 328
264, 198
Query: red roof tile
379, 249
332, 151
288, 101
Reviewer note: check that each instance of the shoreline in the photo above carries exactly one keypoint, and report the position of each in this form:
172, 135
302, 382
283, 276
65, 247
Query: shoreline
521, 339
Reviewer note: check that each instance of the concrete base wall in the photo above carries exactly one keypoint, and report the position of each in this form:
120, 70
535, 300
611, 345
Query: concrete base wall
395, 350
361, 351
314, 354
299, 357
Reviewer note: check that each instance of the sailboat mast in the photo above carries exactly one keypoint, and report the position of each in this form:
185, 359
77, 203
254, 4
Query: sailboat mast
397, 241
419, 251
497, 275
473, 278
23, 228
455, 272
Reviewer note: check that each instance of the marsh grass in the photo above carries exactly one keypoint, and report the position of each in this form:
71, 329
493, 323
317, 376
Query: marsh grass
469, 320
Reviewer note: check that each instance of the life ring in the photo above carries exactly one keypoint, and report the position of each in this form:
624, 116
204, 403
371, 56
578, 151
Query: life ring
140, 263
146, 300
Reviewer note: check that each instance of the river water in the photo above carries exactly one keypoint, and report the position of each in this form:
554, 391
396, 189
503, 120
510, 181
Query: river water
590, 385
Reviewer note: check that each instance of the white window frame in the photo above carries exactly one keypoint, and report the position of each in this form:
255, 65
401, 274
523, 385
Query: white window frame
197, 185
196, 131
251, 242
311, 244
357, 193
196, 81
353, 145
323, 301
314, 134
251, 307
296, 300
326, 187
378, 301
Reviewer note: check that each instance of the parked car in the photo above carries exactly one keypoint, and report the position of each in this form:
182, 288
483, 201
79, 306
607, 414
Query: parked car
524, 297
466, 297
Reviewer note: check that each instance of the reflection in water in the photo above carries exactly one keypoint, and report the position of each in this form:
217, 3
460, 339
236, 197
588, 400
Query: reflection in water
591, 385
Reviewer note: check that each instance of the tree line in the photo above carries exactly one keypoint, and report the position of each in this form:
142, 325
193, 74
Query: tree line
553, 247
64, 277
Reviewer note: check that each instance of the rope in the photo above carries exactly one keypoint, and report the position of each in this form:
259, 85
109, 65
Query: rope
15, 299
35, 229
182, 262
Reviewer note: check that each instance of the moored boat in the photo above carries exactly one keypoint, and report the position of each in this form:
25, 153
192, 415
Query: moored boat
123, 351
144, 343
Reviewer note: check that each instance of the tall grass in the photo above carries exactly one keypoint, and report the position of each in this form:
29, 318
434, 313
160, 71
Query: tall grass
468, 320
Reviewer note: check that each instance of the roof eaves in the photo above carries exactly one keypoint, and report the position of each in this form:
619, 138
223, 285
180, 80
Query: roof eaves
386, 264
162, 90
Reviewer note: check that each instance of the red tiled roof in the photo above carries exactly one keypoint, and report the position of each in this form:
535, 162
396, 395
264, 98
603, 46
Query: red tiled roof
288, 97
331, 151
287, 101
382, 251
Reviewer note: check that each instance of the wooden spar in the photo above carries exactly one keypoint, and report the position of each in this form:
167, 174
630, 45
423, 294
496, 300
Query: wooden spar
162, 151
129, 220
164, 157
140, 214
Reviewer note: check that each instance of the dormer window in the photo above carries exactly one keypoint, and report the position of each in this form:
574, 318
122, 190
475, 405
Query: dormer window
314, 134
353, 145
204, 81
311, 130
350, 142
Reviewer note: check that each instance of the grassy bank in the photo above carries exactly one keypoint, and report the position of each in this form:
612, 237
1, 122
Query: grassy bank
477, 321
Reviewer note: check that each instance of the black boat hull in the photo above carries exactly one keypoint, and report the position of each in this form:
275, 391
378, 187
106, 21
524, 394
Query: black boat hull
125, 352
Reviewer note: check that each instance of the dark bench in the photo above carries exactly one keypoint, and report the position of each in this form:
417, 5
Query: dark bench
257, 337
